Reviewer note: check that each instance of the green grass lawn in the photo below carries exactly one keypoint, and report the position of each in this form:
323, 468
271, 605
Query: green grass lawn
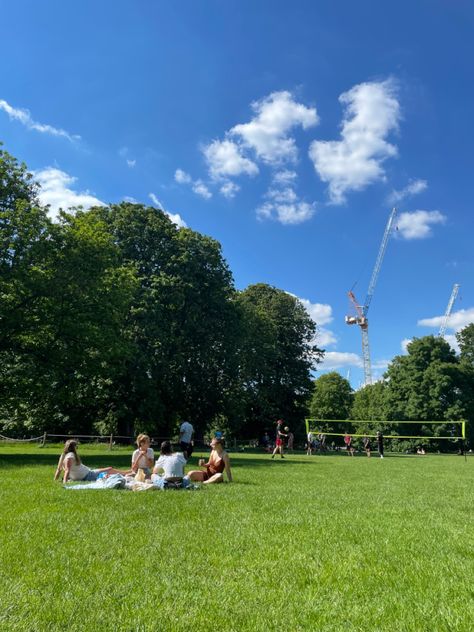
308, 543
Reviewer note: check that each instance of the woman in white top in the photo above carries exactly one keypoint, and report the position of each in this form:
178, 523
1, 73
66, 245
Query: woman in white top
144, 456
74, 468
172, 465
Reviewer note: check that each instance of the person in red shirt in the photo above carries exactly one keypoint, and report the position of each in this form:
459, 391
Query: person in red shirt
349, 446
280, 436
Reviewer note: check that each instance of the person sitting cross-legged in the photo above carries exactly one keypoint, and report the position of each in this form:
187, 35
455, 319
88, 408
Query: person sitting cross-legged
217, 463
172, 465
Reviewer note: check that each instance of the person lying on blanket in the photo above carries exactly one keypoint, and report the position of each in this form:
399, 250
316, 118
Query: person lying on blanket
74, 468
172, 465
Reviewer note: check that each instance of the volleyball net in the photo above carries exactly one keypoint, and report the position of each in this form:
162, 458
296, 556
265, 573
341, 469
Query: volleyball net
424, 430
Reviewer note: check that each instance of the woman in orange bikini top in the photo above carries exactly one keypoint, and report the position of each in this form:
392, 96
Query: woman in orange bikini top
218, 462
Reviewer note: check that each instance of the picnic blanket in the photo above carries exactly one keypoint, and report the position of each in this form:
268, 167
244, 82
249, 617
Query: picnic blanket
117, 481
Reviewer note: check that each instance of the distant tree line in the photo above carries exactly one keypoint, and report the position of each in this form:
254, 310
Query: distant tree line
429, 383
115, 320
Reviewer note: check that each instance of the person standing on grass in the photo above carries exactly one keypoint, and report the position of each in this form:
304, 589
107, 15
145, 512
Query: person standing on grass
74, 468
309, 444
380, 443
367, 445
349, 446
186, 433
144, 457
218, 463
280, 436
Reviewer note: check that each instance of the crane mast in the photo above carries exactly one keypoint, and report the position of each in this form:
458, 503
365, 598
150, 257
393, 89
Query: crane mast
454, 293
361, 310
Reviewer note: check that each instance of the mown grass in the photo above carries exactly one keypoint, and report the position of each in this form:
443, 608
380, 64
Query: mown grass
309, 543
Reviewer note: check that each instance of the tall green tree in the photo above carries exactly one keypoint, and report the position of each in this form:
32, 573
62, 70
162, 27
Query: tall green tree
332, 397
179, 322
276, 356
427, 384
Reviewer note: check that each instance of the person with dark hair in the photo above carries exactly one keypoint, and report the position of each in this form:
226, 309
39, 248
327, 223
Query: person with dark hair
74, 468
380, 443
367, 445
349, 446
216, 465
280, 436
172, 465
186, 433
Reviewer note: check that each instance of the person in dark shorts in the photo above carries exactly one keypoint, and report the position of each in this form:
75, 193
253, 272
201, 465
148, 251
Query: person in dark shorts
380, 443
367, 445
280, 436
349, 446
186, 432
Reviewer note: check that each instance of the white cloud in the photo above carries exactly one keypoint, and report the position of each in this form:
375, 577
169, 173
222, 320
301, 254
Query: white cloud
284, 177
413, 188
56, 191
321, 313
182, 177
457, 321
338, 359
355, 161
417, 225
201, 189
325, 338
131, 163
174, 217
286, 212
130, 199
229, 189
404, 344
225, 159
24, 117
267, 132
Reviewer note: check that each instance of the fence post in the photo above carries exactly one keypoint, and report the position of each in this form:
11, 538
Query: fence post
44, 440
111, 441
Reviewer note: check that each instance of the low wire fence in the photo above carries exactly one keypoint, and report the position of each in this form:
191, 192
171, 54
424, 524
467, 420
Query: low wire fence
114, 440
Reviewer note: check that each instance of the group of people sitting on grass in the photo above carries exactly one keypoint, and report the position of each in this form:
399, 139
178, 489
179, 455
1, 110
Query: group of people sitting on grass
166, 472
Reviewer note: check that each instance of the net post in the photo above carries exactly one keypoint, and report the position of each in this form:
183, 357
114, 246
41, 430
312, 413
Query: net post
463, 429
111, 440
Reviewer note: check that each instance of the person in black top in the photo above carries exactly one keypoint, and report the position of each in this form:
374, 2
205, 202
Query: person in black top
280, 436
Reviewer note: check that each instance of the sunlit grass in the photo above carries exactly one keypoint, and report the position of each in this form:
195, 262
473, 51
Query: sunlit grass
309, 543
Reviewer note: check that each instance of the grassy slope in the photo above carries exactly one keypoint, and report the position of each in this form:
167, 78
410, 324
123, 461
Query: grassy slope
318, 543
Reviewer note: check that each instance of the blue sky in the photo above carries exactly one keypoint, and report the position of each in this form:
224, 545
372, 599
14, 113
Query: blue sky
286, 131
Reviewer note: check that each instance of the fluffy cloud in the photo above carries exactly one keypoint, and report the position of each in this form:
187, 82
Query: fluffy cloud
198, 186
24, 117
229, 189
267, 132
404, 344
457, 321
413, 188
174, 217
201, 189
321, 313
56, 191
352, 163
337, 360
417, 225
182, 177
294, 212
224, 159
284, 177
131, 163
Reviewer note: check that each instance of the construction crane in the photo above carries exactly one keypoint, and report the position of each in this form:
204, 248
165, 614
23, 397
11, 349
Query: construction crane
361, 310
454, 293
